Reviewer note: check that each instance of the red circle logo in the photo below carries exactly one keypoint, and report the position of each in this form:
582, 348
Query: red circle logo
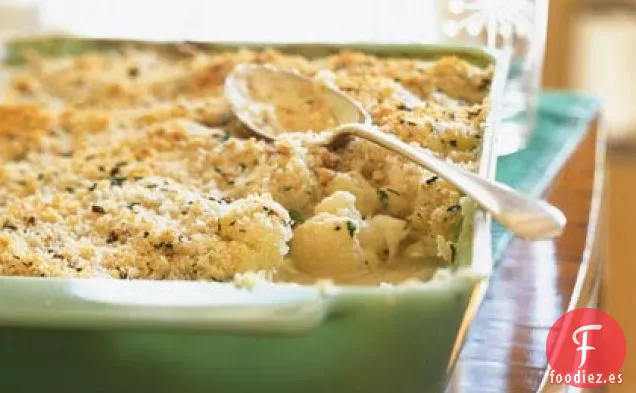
586, 348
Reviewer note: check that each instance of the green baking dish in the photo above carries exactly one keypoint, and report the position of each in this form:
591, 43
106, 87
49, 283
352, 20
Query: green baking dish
61, 335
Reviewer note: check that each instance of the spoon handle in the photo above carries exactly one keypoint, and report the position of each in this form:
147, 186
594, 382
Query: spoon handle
528, 218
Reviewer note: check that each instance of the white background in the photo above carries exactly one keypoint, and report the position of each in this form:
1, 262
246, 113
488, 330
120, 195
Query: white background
260, 20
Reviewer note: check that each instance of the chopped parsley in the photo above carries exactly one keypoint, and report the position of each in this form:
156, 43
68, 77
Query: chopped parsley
115, 170
269, 211
133, 72
296, 217
431, 180
112, 237
10, 226
117, 180
351, 227
92, 187
222, 137
98, 209
484, 84
166, 246
383, 196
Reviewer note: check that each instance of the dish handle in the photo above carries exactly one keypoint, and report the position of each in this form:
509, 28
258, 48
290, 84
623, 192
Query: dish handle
193, 306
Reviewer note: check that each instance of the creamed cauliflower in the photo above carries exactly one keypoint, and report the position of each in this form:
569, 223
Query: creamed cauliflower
129, 164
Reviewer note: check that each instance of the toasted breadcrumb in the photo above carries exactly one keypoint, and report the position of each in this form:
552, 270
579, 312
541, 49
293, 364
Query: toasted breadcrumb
129, 164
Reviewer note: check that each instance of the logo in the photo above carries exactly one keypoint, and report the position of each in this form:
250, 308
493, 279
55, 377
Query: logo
586, 348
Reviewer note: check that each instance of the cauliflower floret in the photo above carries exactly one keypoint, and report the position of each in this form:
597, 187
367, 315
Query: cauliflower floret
340, 203
438, 211
444, 248
262, 226
366, 196
250, 234
279, 169
423, 248
328, 244
381, 237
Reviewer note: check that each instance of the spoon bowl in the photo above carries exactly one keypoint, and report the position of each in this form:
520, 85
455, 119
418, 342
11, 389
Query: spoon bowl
256, 91
271, 101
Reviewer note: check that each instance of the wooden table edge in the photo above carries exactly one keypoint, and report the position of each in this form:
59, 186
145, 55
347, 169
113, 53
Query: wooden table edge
591, 151
588, 281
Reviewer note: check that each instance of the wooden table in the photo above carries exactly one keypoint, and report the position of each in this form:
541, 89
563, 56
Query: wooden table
533, 283
618, 291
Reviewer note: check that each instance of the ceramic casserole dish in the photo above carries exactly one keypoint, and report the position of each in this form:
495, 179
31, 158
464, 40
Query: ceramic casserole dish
91, 335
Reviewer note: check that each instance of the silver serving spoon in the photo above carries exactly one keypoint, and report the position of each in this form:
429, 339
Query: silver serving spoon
263, 97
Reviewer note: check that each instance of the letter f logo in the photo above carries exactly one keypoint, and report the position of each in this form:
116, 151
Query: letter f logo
584, 348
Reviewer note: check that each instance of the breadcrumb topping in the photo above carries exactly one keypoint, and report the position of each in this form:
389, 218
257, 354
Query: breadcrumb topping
129, 164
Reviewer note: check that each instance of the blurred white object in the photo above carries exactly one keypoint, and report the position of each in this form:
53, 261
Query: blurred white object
18, 17
245, 20
519, 28
603, 58
503, 18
